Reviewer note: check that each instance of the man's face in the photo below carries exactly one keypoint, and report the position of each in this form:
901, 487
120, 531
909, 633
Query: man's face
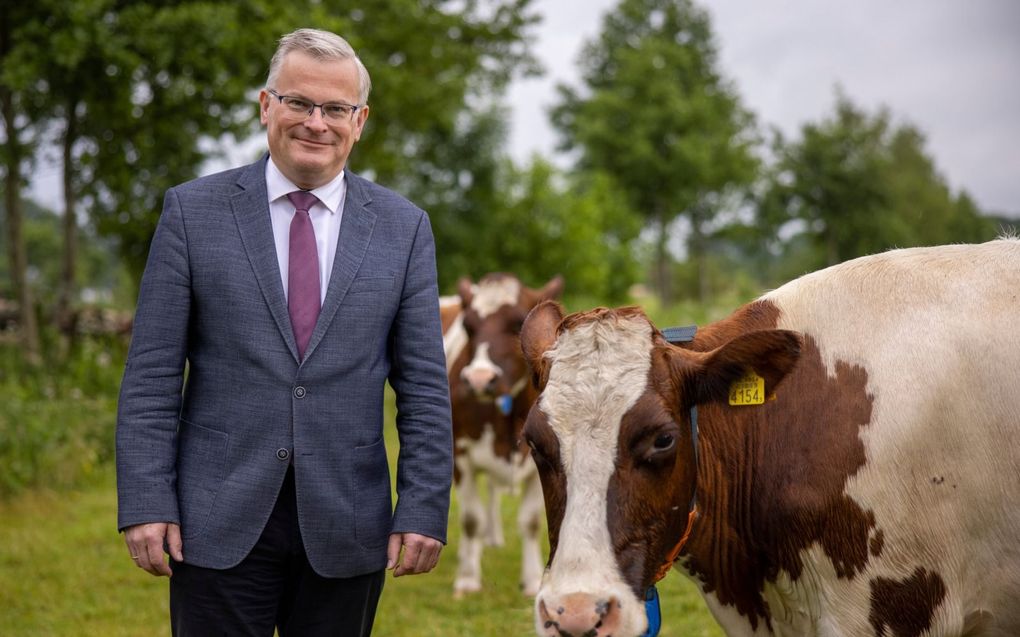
310, 150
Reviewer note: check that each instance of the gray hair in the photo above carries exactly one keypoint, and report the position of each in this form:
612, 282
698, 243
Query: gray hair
321, 45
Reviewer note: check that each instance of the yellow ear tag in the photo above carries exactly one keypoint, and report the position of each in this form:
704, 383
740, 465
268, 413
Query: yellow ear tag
749, 389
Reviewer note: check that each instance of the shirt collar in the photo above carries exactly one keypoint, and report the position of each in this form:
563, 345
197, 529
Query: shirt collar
331, 194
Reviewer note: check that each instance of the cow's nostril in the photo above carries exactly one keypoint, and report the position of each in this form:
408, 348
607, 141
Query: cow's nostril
580, 615
548, 623
610, 618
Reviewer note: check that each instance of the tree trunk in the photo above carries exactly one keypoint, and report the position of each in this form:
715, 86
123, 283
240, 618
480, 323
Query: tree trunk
16, 242
64, 315
662, 261
699, 253
831, 248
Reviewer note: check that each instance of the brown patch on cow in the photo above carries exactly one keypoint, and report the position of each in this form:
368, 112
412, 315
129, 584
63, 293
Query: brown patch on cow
759, 315
601, 314
645, 483
905, 608
877, 543
772, 476
545, 451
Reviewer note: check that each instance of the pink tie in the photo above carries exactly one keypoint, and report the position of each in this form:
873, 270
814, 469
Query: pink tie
303, 279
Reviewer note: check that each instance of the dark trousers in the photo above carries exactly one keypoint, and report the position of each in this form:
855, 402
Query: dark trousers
274, 587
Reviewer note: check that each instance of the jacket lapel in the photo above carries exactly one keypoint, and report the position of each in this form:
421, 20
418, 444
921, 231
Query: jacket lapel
251, 211
355, 235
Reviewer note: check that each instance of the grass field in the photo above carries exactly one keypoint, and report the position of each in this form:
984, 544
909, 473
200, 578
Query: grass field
64, 571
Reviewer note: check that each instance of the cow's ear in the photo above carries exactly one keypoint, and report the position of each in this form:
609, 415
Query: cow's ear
770, 354
466, 290
547, 292
537, 336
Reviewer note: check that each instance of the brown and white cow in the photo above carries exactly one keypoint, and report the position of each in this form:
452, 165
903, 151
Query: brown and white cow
491, 396
875, 491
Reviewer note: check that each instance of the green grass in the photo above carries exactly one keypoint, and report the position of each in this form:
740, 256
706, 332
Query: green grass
64, 571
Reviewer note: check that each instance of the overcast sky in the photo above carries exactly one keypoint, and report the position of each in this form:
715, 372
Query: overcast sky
949, 67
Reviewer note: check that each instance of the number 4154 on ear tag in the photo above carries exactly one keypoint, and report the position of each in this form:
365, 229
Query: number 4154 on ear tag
749, 389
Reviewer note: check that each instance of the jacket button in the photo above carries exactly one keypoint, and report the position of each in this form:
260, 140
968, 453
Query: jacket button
299, 392
282, 454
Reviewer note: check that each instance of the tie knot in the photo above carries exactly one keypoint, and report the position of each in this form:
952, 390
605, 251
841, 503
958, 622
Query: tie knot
302, 199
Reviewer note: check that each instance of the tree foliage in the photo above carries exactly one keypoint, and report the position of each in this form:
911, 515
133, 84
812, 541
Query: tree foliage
657, 116
857, 183
154, 87
490, 215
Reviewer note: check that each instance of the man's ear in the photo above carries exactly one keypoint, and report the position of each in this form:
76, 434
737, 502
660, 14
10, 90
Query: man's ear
538, 335
771, 354
361, 116
264, 107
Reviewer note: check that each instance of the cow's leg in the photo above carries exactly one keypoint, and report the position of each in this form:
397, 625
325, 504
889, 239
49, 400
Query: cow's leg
529, 521
472, 522
494, 519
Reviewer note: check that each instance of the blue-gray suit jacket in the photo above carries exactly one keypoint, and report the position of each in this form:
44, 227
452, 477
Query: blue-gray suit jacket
207, 445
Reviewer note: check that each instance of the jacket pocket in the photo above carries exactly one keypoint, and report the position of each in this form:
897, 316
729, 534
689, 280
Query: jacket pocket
371, 284
201, 454
373, 507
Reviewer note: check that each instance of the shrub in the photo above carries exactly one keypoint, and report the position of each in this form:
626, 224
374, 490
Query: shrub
57, 420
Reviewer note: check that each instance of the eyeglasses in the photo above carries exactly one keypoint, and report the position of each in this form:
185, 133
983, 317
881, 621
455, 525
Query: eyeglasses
333, 111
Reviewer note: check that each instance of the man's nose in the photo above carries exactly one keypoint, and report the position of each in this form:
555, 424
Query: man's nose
315, 120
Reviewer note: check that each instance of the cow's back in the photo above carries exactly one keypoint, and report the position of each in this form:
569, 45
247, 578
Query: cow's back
931, 336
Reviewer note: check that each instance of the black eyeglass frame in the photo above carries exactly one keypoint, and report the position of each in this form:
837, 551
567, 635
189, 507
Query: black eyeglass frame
350, 109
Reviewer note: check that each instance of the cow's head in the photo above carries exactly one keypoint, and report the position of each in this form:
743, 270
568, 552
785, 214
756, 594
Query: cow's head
610, 434
494, 310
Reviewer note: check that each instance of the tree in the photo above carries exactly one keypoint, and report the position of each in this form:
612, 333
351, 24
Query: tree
16, 152
856, 184
436, 66
86, 75
490, 215
657, 116
181, 78
547, 223
98, 270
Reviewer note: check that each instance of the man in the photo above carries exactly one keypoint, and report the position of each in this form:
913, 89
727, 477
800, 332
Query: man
293, 290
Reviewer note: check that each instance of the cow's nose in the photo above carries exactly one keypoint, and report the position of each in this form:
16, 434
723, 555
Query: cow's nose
480, 380
580, 615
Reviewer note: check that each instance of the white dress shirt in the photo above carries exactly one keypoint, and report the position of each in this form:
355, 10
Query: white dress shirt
325, 215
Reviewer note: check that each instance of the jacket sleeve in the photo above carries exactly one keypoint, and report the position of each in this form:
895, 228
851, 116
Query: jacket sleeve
150, 395
418, 378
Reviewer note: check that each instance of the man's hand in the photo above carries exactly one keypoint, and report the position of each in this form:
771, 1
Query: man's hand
421, 553
145, 546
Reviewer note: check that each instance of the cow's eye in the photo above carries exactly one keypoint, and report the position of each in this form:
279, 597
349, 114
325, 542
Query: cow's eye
536, 454
658, 449
664, 442
535, 451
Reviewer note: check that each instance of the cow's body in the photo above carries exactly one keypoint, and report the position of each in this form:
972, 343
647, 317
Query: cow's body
490, 397
877, 494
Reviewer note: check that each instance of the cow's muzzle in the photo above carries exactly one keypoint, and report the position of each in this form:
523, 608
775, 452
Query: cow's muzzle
579, 615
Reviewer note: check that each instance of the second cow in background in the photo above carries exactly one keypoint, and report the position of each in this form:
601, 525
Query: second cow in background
490, 396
